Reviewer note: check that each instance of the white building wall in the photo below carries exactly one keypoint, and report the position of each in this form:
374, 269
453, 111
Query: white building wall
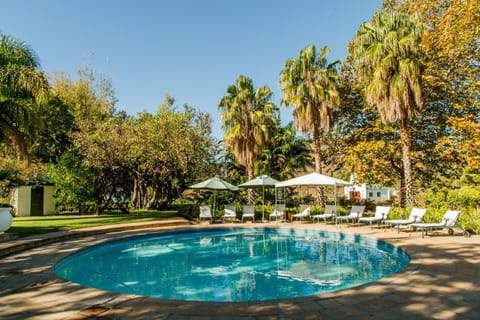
378, 194
48, 205
22, 199
375, 194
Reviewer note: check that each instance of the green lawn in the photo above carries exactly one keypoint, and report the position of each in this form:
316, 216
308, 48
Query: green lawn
25, 226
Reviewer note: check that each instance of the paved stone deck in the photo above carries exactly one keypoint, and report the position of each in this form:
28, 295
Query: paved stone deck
441, 282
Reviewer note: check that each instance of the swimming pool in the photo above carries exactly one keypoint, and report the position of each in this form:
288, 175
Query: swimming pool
233, 264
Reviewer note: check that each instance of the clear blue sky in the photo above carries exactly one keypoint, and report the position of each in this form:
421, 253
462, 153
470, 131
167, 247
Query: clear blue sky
191, 49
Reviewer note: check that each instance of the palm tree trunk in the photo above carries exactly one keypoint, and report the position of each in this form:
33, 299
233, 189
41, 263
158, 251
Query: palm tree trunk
408, 198
317, 154
250, 192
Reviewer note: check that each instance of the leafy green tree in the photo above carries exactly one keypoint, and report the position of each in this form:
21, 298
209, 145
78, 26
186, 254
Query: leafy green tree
81, 123
389, 60
55, 137
105, 150
90, 98
248, 116
169, 150
309, 84
22, 86
73, 179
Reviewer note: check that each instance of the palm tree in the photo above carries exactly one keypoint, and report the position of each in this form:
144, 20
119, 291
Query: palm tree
310, 86
21, 86
389, 59
285, 154
248, 114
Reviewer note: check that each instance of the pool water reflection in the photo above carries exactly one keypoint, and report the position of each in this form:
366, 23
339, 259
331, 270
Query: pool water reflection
235, 264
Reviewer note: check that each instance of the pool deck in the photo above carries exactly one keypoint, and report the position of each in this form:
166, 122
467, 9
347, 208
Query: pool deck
442, 281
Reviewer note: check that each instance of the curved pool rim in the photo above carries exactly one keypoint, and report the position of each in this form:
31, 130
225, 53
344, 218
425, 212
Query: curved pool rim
345, 236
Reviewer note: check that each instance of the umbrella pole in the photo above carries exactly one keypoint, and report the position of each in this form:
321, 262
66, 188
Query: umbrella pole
263, 203
213, 212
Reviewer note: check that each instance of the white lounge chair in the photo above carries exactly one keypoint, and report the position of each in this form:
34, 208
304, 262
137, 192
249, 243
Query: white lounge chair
381, 214
356, 212
449, 221
278, 213
329, 212
416, 216
303, 213
205, 213
248, 212
229, 213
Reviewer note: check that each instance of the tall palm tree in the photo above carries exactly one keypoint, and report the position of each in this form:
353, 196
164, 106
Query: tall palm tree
248, 114
389, 59
310, 86
21, 86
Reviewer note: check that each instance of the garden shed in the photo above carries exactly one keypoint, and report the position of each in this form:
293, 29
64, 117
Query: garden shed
33, 200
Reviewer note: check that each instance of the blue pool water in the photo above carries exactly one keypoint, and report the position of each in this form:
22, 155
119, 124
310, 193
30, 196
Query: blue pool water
236, 264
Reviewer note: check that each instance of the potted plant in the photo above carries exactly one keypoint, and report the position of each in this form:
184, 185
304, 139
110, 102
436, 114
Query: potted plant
5, 219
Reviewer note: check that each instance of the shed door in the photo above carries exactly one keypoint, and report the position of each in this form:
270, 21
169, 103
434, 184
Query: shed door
36, 206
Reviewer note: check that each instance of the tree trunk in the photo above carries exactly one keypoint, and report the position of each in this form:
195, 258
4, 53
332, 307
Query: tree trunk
408, 198
317, 154
250, 191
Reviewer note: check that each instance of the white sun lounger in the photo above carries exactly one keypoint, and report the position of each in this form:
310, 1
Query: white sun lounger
355, 213
248, 212
449, 221
303, 213
416, 216
381, 214
229, 213
205, 213
278, 214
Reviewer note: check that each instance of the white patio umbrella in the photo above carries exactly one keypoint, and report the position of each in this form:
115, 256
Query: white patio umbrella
214, 184
314, 179
260, 181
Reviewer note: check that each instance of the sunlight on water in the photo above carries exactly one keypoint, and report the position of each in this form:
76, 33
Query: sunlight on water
233, 264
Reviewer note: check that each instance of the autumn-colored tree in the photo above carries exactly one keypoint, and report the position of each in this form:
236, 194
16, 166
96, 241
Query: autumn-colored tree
451, 80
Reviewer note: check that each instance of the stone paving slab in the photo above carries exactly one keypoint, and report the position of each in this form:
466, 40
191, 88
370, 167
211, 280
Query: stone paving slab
442, 281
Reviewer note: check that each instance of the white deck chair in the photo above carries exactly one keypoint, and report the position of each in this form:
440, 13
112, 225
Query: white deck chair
416, 216
356, 212
303, 213
449, 221
248, 212
278, 213
329, 212
205, 213
229, 213
381, 214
